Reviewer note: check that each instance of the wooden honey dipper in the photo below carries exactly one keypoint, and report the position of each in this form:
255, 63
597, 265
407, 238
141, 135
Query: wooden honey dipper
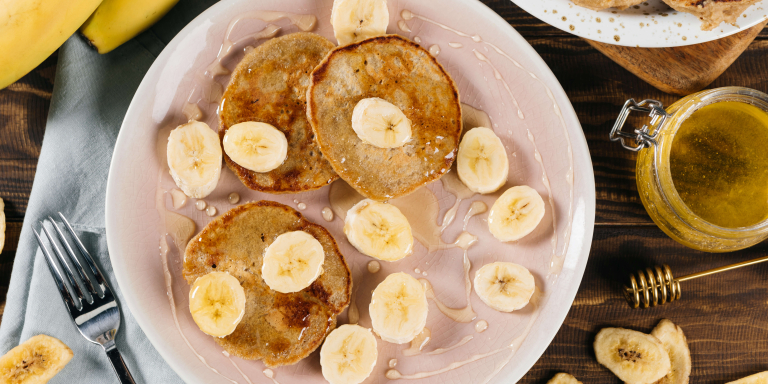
656, 286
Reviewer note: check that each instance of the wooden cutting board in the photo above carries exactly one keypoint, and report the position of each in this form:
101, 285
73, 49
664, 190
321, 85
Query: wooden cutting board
681, 70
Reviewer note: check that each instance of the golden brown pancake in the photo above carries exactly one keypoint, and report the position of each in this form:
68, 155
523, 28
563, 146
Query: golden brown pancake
603, 4
270, 85
280, 329
399, 71
712, 12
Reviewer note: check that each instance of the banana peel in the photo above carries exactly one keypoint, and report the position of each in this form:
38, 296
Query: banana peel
30, 30
116, 21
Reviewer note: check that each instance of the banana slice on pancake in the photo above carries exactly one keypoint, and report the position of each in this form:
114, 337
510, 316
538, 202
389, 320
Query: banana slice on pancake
563, 378
380, 123
217, 303
674, 341
398, 308
482, 161
194, 158
634, 357
356, 20
516, 213
758, 378
36, 360
348, 355
379, 230
292, 262
505, 287
259, 147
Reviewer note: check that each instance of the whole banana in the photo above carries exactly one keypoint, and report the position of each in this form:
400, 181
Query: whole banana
117, 21
30, 30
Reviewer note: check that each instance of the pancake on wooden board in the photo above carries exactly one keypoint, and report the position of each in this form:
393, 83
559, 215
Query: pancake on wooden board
280, 329
712, 12
401, 72
270, 86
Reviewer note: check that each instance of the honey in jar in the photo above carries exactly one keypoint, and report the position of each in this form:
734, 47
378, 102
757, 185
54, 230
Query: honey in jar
702, 166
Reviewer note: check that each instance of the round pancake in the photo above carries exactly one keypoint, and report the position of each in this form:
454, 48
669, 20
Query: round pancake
270, 86
394, 69
278, 328
712, 12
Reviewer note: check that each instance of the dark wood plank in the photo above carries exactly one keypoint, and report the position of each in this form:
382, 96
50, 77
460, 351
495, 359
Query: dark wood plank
722, 315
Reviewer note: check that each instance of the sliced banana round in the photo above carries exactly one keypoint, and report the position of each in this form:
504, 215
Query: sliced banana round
563, 378
348, 355
380, 123
217, 303
634, 357
379, 230
292, 262
482, 161
398, 308
259, 147
194, 158
505, 287
36, 360
516, 213
356, 20
673, 339
757, 378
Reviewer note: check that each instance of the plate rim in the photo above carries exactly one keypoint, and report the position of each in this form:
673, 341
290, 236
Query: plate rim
525, 5
577, 138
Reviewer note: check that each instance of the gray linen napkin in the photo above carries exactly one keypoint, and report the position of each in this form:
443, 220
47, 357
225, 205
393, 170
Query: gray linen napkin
90, 97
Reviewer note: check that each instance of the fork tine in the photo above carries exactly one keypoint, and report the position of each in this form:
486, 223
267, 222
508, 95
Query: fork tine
87, 256
63, 262
54, 271
73, 257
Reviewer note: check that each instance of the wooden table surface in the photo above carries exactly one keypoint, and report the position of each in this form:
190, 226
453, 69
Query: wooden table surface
723, 315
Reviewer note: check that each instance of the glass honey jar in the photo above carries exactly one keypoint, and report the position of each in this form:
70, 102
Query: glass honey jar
702, 166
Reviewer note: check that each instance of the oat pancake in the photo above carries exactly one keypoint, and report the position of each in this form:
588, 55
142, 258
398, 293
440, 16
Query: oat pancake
278, 328
270, 85
603, 4
712, 12
404, 74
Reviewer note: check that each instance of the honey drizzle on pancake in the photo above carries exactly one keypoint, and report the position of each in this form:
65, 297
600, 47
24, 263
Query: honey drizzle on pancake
557, 263
206, 88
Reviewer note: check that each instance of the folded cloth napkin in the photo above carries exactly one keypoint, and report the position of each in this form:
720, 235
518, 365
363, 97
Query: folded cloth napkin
90, 96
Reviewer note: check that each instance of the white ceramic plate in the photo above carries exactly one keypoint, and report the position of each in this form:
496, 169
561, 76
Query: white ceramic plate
495, 69
652, 24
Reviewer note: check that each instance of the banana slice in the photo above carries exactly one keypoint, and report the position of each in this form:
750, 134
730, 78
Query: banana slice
516, 213
292, 262
758, 378
356, 20
673, 339
379, 230
505, 287
217, 303
563, 378
348, 355
482, 161
194, 158
36, 360
380, 123
259, 147
398, 308
634, 357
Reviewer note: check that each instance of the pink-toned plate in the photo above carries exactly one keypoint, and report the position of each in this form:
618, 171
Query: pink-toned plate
497, 72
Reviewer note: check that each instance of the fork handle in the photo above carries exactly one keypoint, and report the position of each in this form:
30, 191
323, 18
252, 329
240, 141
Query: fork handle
121, 370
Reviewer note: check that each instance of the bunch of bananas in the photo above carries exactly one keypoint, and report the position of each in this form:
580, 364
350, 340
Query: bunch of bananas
30, 30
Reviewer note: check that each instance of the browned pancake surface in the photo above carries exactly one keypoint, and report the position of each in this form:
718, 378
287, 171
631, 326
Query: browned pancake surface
399, 71
712, 12
278, 328
270, 85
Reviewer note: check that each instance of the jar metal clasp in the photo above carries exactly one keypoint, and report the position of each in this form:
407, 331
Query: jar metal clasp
643, 137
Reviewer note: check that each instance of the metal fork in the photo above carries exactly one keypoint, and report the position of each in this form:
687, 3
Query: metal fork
96, 315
